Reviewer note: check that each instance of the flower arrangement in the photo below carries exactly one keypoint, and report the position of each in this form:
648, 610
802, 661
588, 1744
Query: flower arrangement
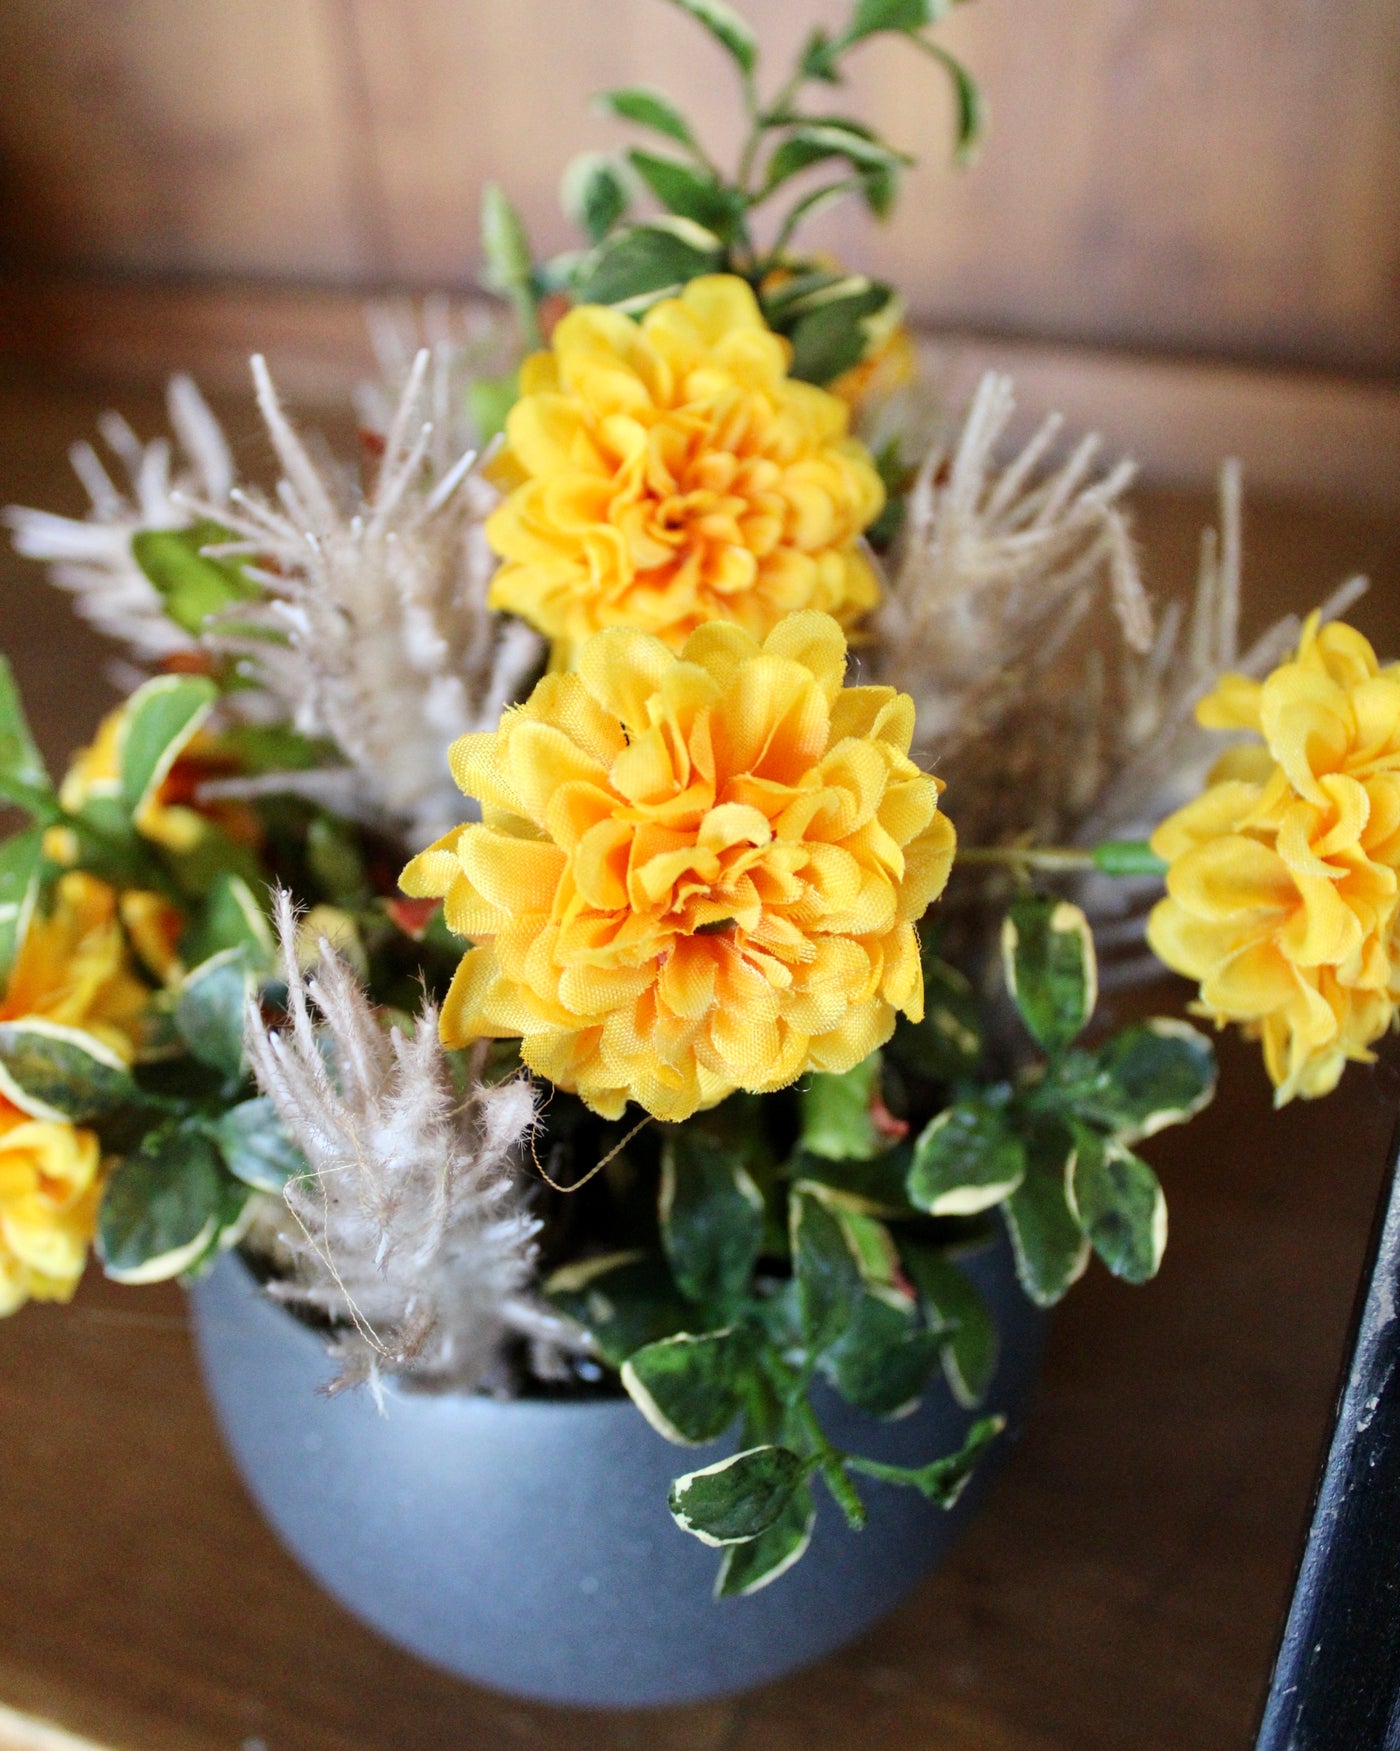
607, 899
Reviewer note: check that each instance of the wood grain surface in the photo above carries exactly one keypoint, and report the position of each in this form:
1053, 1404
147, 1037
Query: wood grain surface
1158, 173
1122, 1589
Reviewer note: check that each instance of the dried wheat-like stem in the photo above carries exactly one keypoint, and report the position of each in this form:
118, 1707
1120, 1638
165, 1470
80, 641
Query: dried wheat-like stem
411, 1229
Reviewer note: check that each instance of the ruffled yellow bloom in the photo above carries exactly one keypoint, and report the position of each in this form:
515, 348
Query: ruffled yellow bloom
50, 1188
73, 968
669, 472
694, 873
1284, 877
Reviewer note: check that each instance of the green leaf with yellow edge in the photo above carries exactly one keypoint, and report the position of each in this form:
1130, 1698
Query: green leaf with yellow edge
193, 584
685, 190
162, 1207
688, 1386
737, 1498
883, 1359
230, 917
593, 194
1150, 1075
1047, 951
967, 1159
505, 247
826, 1266
648, 108
966, 1330
157, 724
1119, 1205
624, 1300
727, 27
255, 1146
21, 863
1050, 1248
55, 1072
209, 1011
711, 1216
942, 1480
836, 1119
647, 261
21, 763
749, 1567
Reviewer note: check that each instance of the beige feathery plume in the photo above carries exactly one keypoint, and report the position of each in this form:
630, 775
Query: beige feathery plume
412, 1229
995, 568
374, 630
92, 557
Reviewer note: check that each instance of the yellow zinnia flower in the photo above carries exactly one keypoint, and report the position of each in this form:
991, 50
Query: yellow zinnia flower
50, 1188
73, 968
694, 873
1284, 876
669, 472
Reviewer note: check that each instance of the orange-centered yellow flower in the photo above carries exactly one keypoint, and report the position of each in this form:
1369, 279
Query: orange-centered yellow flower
72, 969
669, 472
694, 873
1283, 884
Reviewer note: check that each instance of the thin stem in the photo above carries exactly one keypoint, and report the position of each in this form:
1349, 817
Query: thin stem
1047, 857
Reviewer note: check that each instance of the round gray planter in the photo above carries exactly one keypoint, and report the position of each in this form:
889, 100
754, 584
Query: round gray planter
527, 1546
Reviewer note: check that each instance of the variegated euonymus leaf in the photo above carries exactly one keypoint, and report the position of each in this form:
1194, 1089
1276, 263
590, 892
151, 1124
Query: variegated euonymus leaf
593, 194
883, 1360
648, 109
23, 774
747, 1568
942, 1480
255, 1146
193, 584
1051, 972
836, 1118
209, 1011
966, 1330
826, 1268
157, 722
1051, 1251
967, 1159
645, 261
711, 1218
21, 860
1153, 1074
231, 918
163, 1207
687, 1386
684, 189
625, 1300
56, 1072
875, 1186
727, 28
737, 1498
1119, 1206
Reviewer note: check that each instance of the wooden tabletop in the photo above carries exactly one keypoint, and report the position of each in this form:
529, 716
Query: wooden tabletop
1122, 1589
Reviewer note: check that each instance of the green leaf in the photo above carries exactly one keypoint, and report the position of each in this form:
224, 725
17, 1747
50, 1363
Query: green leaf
505, 247
726, 26
1047, 951
209, 1011
946, 1045
875, 1187
943, 1480
736, 1499
970, 121
157, 722
336, 861
1151, 1075
255, 1147
682, 189
648, 109
871, 16
711, 1218
749, 1567
21, 860
20, 759
966, 1160
687, 1387
56, 1072
162, 1207
883, 1359
624, 1300
819, 139
192, 585
593, 194
966, 1329
836, 1121
1119, 1205
832, 333
231, 918
489, 401
826, 1266
646, 261
1051, 1251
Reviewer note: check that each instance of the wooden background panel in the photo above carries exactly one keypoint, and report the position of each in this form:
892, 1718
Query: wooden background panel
1163, 173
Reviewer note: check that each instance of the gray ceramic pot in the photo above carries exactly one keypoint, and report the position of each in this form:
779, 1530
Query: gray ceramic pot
527, 1545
